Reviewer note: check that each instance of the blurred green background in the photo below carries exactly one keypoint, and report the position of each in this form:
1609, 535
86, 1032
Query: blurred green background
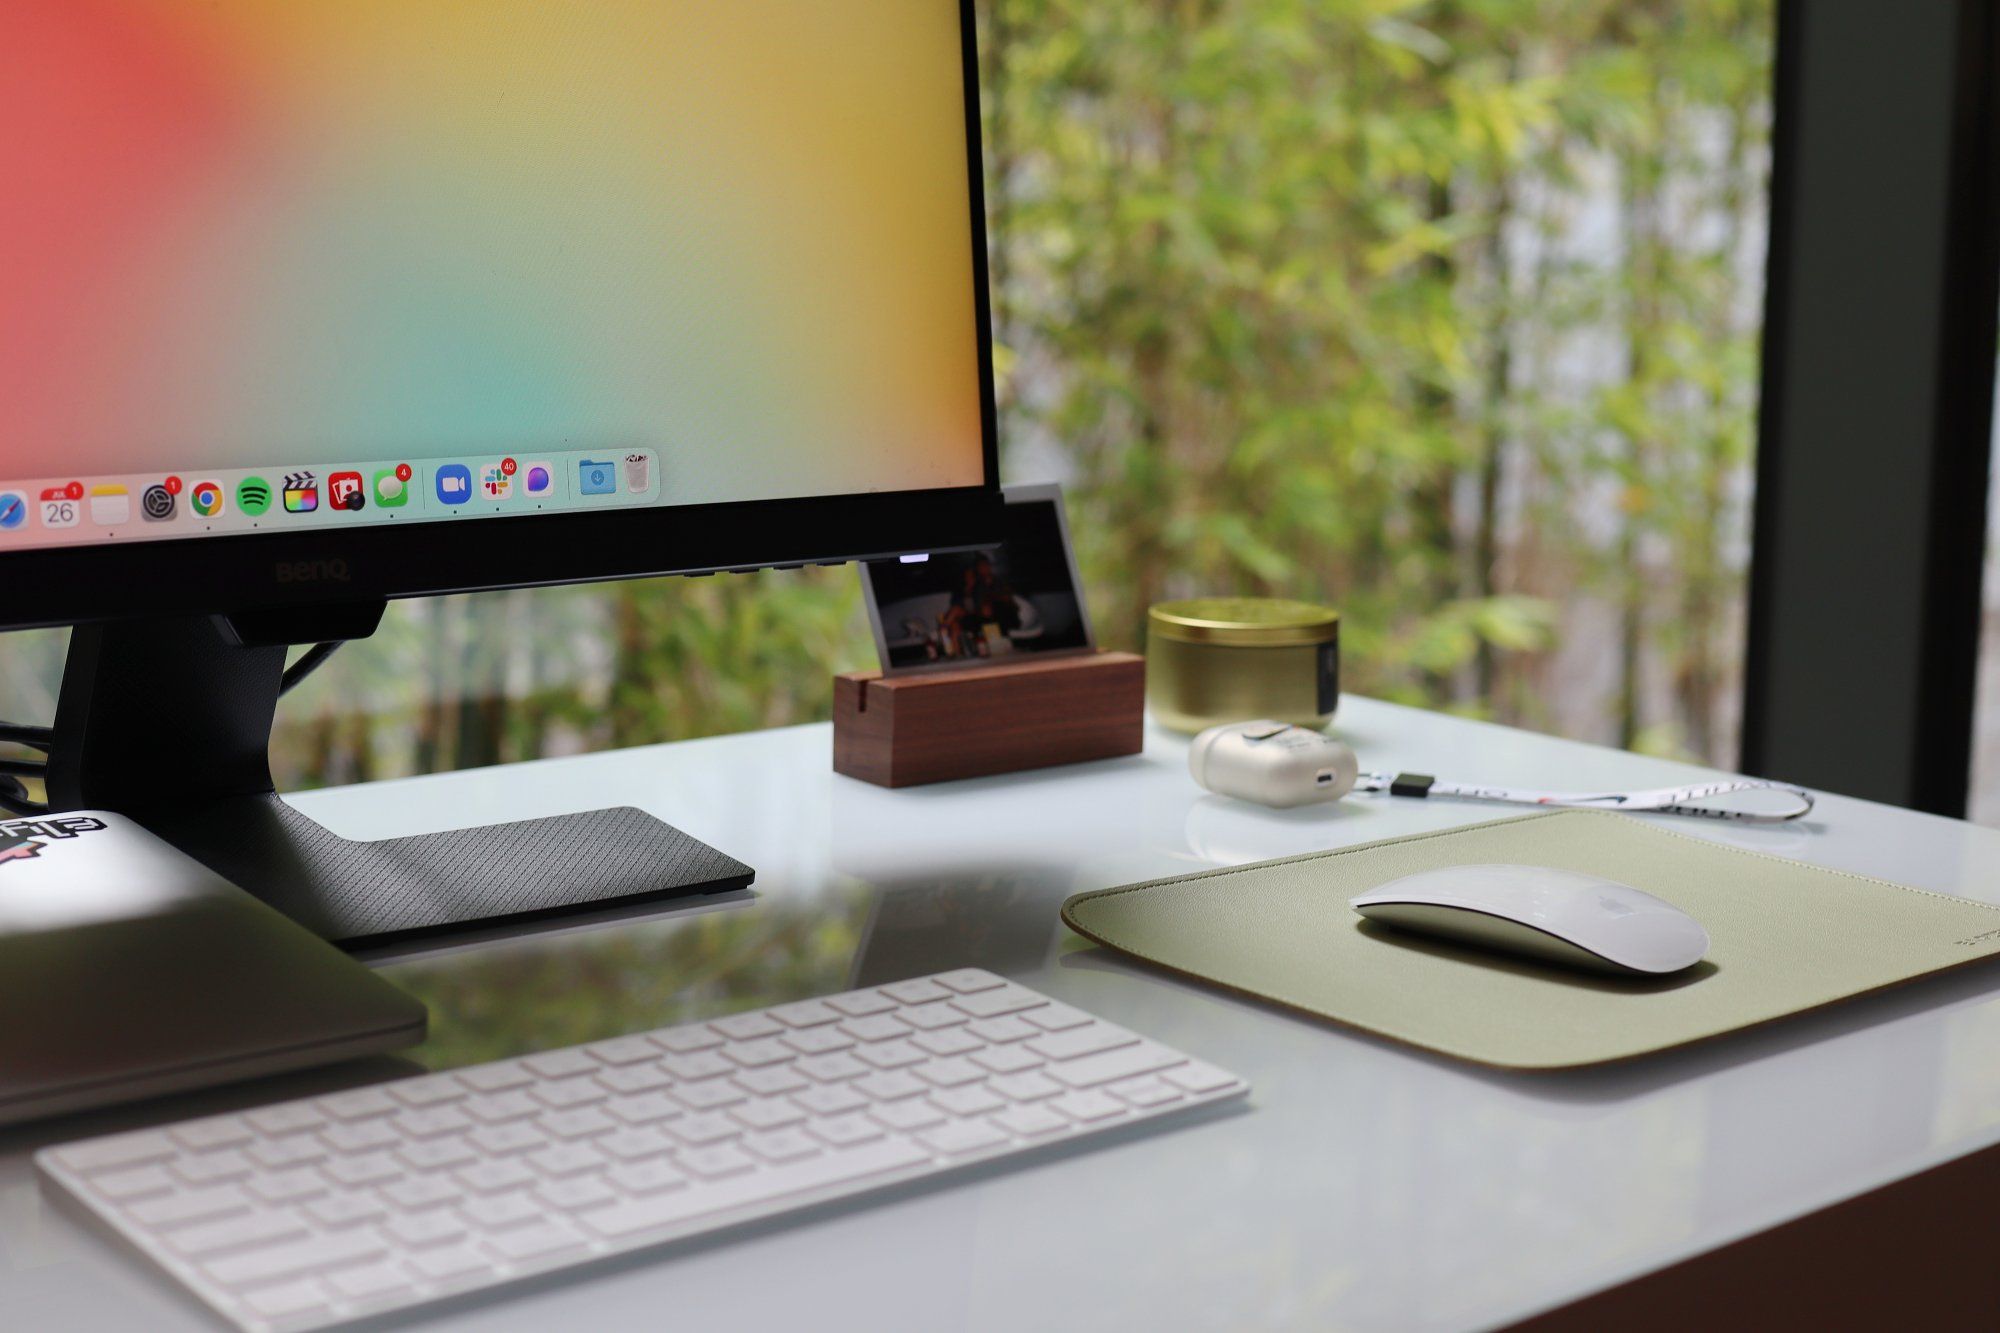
1444, 313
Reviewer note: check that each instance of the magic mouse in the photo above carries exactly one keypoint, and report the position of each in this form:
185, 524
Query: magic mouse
1553, 916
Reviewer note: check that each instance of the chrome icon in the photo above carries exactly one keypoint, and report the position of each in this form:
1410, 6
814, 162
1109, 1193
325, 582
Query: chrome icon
206, 498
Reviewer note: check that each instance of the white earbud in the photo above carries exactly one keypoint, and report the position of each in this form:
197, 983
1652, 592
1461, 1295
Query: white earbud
1273, 763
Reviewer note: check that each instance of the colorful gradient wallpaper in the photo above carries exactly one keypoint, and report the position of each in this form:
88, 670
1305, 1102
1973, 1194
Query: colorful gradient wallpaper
251, 235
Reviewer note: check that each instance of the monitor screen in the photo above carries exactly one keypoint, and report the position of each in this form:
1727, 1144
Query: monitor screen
276, 264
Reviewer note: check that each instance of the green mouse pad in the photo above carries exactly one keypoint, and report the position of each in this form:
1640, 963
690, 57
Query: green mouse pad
1784, 938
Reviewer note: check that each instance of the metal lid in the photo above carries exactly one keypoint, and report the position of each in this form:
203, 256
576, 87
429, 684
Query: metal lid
1248, 622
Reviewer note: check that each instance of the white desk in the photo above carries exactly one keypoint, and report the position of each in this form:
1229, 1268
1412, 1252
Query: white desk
1366, 1187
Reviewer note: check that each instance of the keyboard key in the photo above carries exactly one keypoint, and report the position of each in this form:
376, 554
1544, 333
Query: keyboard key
437, 1154
1087, 1040
950, 1041
135, 1183
660, 1212
567, 1159
295, 1150
581, 1123
435, 1090
830, 1068
292, 1300
891, 1054
213, 1167
361, 1136
1087, 1106
456, 1264
494, 1078
763, 1051
1030, 1122
782, 1145
367, 1169
1055, 1017
219, 1132
770, 1082
700, 1065
1007, 1059
844, 1131
861, 1003
906, 1115
495, 1212
422, 1192
805, 1014
293, 1186
707, 1127
968, 980
560, 1064
769, 1113
922, 990
1029, 1087
968, 1101
875, 1027
1144, 1092
831, 1099
889, 1086
499, 1107
346, 1210
432, 1228
237, 1233
544, 1240
122, 1150
633, 1145
817, 1040
961, 1137
742, 1027
284, 1119
635, 1078
930, 1017
568, 1092
949, 1072
1002, 1030
716, 1160
645, 1178
993, 1003
1198, 1077
318, 1254
686, 1040
623, 1051
1111, 1066
709, 1096
495, 1177
646, 1109
179, 1210
575, 1193
499, 1140
371, 1285
430, 1122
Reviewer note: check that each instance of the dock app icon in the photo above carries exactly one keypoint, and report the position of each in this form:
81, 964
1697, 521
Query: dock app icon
110, 506
597, 478
301, 492
454, 484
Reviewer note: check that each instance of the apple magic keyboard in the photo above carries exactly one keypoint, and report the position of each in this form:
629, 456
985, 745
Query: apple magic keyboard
308, 1213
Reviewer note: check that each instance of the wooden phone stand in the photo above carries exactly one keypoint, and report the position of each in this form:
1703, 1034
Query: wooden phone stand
903, 731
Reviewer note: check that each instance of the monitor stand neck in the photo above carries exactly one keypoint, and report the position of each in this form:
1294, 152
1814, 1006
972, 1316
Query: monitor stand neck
169, 723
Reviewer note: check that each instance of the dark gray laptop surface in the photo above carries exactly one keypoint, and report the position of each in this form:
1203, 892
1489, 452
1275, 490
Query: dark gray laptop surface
127, 969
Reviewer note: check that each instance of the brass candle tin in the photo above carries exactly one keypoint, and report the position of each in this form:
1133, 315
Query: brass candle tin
1230, 659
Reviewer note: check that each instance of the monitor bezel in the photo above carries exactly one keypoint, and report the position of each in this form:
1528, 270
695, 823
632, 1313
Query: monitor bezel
244, 573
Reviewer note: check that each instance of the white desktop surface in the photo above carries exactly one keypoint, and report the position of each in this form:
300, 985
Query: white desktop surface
1366, 1186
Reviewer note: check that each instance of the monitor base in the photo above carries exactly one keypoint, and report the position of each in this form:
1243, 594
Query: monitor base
168, 722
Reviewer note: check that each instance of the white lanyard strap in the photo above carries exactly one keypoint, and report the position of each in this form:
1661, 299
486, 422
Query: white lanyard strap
1664, 800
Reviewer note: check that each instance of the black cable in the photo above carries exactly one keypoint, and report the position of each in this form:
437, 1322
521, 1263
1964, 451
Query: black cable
35, 738
313, 659
22, 768
14, 799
